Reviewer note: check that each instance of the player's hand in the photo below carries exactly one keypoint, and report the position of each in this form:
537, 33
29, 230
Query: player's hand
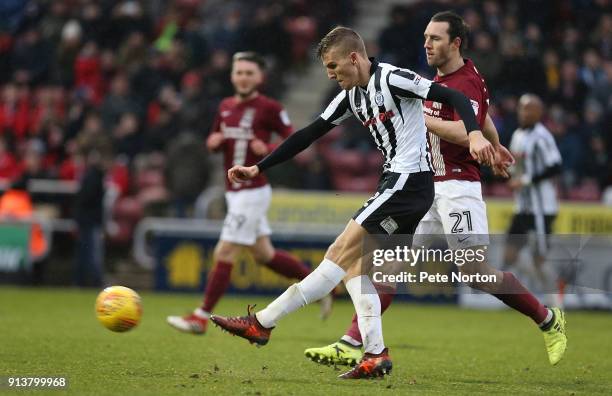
481, 149
259, 147
515, 183
504, 160
214, 141
240, 174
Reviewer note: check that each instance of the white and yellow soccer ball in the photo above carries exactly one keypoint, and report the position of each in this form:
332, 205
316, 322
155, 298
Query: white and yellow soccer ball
118, 308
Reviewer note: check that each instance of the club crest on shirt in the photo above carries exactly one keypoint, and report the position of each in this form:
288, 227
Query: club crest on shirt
379, 99
475, 106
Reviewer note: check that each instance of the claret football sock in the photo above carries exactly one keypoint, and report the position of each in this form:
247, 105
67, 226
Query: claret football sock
287, 265
217, 283
516, 296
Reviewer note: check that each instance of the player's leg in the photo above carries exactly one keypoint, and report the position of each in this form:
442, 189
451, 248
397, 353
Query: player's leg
283, 263
340, 256
344, 253
516, 238
347, 350
218, 281
279, 261
465, 223
464, 218
549, 279
239, 230
404, 201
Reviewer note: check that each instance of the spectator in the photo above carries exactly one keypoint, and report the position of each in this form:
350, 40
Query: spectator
596, 164
197, 111
489, 60
9, 167
127, 136
88, 214
67, 52
187, 172
117, 102
592, 73
32, 57
572, 91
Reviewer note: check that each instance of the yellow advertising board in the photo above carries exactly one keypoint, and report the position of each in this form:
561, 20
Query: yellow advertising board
339, 207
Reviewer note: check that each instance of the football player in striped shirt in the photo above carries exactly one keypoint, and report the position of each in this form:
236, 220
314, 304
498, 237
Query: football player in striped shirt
389, 101
535, 194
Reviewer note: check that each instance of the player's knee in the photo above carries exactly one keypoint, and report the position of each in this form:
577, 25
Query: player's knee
484, 277
226, 251
334, 251
262, 256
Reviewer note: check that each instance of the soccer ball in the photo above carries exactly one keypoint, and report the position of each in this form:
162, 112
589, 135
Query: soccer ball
118, 308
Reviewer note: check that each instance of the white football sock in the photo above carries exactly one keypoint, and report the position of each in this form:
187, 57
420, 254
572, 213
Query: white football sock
350, 340
548, 318
314, 287
200, 313
367, 306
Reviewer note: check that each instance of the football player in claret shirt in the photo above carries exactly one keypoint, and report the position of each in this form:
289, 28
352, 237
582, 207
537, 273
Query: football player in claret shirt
243, 128
458, 209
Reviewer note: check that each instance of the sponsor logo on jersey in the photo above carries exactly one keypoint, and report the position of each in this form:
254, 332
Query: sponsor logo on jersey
236, 132
382, 117
379, 98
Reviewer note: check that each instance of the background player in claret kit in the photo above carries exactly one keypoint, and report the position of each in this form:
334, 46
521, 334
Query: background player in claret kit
538, 162
458, 210
388, 100
242, 130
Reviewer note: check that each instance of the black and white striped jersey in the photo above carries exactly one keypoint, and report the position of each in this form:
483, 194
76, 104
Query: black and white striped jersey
535, 151
391, 106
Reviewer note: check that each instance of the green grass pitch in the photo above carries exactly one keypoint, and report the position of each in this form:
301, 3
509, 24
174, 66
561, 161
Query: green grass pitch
435, 350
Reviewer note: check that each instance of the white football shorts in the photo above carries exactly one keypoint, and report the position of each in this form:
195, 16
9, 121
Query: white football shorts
458, 214
246, 218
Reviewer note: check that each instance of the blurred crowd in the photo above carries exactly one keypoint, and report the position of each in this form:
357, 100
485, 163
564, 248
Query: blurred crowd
560, 50
138, 81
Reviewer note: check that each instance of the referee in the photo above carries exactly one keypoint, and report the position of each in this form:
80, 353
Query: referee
538, 161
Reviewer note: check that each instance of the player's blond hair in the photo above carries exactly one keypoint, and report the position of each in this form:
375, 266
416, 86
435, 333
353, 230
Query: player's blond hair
343, 38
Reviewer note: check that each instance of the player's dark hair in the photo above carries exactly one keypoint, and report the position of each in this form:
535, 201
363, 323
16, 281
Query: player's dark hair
250, 56
340, 36
456, 27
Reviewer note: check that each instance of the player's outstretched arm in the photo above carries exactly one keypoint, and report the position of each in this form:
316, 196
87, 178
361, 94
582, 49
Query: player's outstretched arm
480, 148
290, 147
451, 131
454, 132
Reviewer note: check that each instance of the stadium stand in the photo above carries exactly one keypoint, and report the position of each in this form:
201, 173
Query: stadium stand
562, 52
136, 74
139, 73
